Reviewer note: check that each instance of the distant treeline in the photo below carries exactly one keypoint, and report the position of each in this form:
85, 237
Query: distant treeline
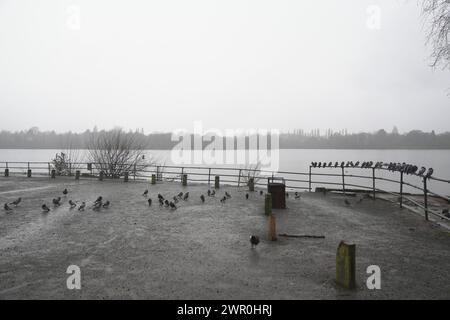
416, 139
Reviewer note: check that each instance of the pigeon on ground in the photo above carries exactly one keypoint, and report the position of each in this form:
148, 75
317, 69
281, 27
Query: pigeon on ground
227, 195
261, 192
172, 205
72, 204
45, 208
16, 202
106, 204
161, 201
166, 203
213, 193
160, 196
6, 207
145, 193
99, 199
97, 206
180, 195
186, 196
223, 199
57, 202
254, 240
347, 202
175, 199
149, 201
297, 195
246, 196
65, 192
82, 206
209, 193
202, 197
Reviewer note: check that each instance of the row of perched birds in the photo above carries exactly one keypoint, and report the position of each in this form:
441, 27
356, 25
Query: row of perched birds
96, 206
391, 166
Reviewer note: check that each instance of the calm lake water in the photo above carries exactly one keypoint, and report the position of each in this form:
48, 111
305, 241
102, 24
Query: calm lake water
298, 160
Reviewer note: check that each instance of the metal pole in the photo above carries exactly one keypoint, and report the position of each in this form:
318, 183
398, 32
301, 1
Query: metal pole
182, 172
343, 180
209, 176
401, 189
425, 194
309, 182
373, 182
239, 179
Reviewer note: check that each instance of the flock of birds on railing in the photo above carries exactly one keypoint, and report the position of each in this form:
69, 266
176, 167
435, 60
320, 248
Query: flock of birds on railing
391, 166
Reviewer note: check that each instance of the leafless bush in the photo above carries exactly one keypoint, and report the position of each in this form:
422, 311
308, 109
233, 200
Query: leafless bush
116, 152
251, 171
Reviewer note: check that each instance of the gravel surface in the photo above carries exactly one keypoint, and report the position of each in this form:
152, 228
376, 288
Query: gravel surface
202, 251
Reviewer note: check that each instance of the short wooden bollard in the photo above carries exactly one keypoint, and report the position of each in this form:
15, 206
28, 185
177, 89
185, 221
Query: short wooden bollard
184, 180
272, 228
268, 204
29, 173
153, 178
251, 184
125, 176
101, 175
53, 174
77, 175
346, 265
6, 172
217, 182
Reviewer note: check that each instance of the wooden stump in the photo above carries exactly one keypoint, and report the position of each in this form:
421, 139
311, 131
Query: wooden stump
268, 204
184, 180
125, 176
272, 228
153, 178
29, 173
346, 265
217, 182
251, 184
77, 175
53, 174
6, 172
101, 175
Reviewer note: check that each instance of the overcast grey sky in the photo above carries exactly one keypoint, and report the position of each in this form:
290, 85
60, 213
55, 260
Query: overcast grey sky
160, 65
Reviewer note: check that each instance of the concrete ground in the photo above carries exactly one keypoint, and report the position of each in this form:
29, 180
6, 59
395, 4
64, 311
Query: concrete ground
202, 251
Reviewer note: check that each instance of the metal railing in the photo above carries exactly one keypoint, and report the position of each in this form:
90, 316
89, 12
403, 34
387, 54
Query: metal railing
239, 177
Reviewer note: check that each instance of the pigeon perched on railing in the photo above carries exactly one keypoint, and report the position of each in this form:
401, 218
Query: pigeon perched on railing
421, 171
429, 173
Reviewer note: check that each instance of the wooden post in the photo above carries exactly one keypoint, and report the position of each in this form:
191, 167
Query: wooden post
239, 178
184, 180
425, 196
268, 204
217, 182
49, 169
182, 173
346, 265
373, 183
309, 181
401, 189
251, 184
272, 228
101, 175
29, 173
134, 171
77, 175
53, 174
153, 178
157, 173
209, 176
343, 180
125, 176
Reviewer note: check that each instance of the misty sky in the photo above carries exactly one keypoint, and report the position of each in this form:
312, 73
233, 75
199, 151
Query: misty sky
160, 65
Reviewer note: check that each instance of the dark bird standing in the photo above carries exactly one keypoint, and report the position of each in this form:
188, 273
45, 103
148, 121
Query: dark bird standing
254, 240
149, 201
16, 202
82, 206
145, 193
65, 192
202, 197
45, 208
72, 204
6, 207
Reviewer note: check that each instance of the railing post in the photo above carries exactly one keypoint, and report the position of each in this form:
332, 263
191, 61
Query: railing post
373, 183
209, 176
239, 179
309, 181
134, 171
401, 189
343, 180
182, 173
49, 169
425, 194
